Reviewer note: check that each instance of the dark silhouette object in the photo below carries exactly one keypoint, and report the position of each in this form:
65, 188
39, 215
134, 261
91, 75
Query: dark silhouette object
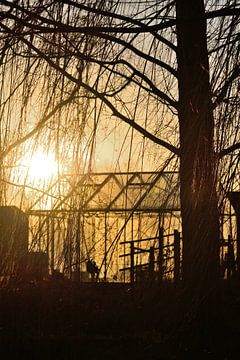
177, 262
92, 269
234, 198
57, 275
231, 269
13, 240
229, 263
151, 263
37, 265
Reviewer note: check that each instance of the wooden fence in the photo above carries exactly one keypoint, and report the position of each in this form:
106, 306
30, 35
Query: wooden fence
165, 257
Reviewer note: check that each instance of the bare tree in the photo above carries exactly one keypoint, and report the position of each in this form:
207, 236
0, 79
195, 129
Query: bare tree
168, 69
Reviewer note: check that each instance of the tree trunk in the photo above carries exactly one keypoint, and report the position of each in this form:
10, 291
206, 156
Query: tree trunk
198, 165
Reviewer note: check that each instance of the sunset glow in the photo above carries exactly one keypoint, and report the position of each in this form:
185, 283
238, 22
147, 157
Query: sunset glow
42, 166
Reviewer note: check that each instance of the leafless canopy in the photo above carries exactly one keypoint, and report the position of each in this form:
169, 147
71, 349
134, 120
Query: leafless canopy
76, 72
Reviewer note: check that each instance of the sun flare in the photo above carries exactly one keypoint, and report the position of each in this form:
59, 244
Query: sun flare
42, 166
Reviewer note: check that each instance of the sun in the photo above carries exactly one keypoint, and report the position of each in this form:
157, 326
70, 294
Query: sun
42, 166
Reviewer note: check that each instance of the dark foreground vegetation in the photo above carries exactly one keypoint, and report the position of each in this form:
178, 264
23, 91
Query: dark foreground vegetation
65, 320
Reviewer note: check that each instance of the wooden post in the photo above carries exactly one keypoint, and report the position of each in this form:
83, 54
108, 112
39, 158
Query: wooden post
52, 246
238, 241
160, 256
78, 232
105, 247
39, 234
132, 263
48, 236
230, 258
68, 253
124, 249
234, 198
59, 238
151, 263
176, 256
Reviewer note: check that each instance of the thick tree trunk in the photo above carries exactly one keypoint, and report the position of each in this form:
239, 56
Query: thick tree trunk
197, 160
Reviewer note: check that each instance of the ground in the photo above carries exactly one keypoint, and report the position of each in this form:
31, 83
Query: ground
66, 320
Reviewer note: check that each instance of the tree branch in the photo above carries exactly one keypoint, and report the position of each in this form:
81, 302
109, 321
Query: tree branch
40, 124
234, 75
95, 31
229, 150
226, 11
100, 96
136, 72
92, 10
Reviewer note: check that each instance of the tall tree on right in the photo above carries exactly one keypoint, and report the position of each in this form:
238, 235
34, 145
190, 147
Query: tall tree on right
198, 162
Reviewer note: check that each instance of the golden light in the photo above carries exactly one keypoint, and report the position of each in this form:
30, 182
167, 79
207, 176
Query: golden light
42, 166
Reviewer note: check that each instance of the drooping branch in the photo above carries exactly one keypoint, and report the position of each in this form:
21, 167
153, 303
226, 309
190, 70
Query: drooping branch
225, 11
96, 93
94, 10
141, 28
100, 32
161, 95
235, 40
39, 125
234, 75
92, 30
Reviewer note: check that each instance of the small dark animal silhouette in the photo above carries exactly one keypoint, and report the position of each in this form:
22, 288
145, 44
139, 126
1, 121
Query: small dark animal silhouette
92, 268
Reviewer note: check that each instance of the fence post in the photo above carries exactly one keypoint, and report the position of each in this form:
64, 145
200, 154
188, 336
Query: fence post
132, 263
52, 246
105, 247
230, 258
48, 237
40, 237
238, 241
151, 263
176, 256
78, 239
160, 255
